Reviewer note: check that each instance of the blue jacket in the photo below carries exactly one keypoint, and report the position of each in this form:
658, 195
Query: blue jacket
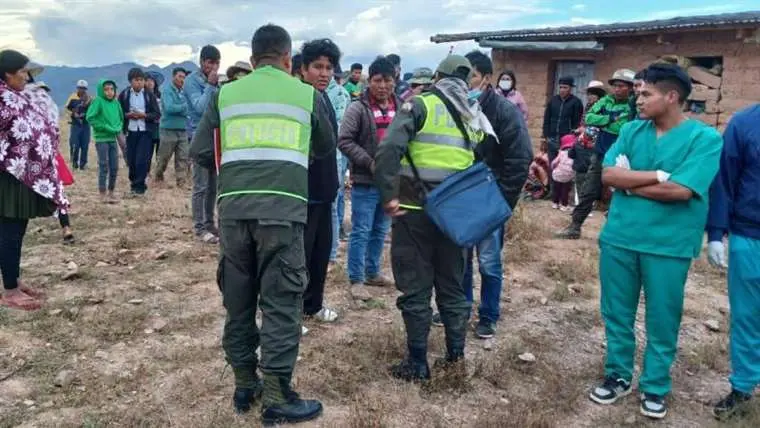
339, 98
173, 108
734, 200
198, 92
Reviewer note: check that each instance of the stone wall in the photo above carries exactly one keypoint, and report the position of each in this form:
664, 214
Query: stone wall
740, 87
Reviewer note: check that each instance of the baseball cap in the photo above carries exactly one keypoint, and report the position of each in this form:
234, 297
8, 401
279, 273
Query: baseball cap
623, 75
82, 84
452, 63
421, 76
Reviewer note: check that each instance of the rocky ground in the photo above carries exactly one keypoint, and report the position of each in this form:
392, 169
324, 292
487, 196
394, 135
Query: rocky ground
130, 335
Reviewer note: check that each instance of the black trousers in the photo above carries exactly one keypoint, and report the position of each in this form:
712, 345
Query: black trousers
12, 231
318, 245
590, 192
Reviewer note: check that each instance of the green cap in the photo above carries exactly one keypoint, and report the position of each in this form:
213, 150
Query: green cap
451, 63
421, 76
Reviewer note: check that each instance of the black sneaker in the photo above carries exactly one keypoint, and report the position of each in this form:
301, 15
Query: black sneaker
436, 321
244, 397
735, 404
411, 371
485, 329
613, 389
570, 232
294, 411
653, 406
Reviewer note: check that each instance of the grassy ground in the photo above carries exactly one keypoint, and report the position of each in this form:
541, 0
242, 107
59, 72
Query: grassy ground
137, 334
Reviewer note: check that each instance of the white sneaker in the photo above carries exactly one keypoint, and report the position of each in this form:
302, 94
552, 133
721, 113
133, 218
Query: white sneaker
326, 315
555, 206
564, 208
304, 330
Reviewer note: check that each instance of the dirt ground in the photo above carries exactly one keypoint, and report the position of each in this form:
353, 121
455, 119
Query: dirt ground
130, 334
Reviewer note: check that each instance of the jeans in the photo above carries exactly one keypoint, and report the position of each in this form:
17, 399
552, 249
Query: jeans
79, 144
338, 207
139, 153
369, 227
489, 261
12, 231
108, 165
204, 199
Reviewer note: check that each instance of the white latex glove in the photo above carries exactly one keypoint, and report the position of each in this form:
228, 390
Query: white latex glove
716, 254
622, 162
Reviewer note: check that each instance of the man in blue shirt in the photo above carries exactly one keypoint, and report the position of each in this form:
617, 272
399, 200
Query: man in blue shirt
199, 88
735, 211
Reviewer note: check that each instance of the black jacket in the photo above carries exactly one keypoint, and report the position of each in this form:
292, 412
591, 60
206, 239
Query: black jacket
510, 157
152, 110
562, 117
323, 171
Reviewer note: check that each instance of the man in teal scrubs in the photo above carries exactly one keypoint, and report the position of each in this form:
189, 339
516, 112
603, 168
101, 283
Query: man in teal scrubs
661, 169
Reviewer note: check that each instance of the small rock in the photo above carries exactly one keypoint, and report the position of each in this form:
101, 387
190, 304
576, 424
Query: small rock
28, 403
158, 324
94, 300
70, 274
131, 222
488, 344
55, 312
504, 400
101, 264
64, 378
527, 357
48, 405
101, 354
544, 301
712, 325
136, 301
630, 420
161, 255
71, 266
723, 310
73, 311
575, 288
148, 331
123, 252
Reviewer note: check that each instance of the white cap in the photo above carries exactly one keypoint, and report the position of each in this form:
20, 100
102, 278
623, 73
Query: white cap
595, 84
82, 84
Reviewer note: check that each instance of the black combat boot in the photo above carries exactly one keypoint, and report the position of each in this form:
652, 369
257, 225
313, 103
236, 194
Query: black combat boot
414, 368
282, 405
573, 231
244, 397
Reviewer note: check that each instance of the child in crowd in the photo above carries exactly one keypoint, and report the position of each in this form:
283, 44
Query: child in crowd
106, 117
563, 174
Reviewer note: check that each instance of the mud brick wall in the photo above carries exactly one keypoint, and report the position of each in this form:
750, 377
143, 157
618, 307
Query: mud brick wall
741, 68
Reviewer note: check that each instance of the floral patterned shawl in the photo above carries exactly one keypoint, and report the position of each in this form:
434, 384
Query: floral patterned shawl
29, 139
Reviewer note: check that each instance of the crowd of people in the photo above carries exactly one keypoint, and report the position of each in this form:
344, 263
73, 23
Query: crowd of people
271, 143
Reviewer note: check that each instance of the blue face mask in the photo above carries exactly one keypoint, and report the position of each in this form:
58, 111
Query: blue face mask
474, 94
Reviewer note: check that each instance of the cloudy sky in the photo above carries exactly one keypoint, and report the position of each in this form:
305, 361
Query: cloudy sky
97, 32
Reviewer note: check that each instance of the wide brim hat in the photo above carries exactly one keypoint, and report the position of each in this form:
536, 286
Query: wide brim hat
156, 76
624, 75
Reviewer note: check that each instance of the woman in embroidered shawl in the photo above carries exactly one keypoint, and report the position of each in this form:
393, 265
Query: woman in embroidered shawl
29, 184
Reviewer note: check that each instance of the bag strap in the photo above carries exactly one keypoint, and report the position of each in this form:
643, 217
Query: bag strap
460, 125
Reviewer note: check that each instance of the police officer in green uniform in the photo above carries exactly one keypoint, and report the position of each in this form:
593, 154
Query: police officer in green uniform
271, 125
422, 257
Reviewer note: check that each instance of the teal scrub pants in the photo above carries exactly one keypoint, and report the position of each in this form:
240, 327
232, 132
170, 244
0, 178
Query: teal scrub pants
622, 274
744, 298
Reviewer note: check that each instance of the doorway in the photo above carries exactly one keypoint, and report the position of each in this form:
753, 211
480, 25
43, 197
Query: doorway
581, 71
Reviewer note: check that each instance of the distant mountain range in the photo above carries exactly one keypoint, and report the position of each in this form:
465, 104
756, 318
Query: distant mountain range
62, 80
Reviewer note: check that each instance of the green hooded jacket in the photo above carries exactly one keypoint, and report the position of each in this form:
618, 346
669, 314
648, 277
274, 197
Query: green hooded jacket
105, 115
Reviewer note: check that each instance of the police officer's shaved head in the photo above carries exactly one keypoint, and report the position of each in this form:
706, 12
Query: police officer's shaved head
271, 45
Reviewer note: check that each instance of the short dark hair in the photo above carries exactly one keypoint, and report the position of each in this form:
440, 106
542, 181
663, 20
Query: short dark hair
383, 66
11, 62
480, 62
270, 41
394, 59
640, 74
511, 74
312, 50
135, 73
669, 77
296, 64
210, 52
177, 70
356, 66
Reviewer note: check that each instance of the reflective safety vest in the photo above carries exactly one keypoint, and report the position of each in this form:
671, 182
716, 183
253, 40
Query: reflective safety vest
265, 117
439, 149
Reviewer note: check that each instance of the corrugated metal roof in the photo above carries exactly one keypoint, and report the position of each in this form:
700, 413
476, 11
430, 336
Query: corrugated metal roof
726, 20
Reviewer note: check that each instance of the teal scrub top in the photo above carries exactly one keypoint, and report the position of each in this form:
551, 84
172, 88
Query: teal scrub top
690, 152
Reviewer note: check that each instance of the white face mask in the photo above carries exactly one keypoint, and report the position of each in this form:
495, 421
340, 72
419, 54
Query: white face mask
505, 84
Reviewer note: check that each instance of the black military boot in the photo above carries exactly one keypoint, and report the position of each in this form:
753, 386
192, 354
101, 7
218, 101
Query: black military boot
282, 405
414, 368
244, 397
573, 231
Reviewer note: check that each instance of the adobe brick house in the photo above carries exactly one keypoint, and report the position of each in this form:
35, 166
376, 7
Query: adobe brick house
723, 52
